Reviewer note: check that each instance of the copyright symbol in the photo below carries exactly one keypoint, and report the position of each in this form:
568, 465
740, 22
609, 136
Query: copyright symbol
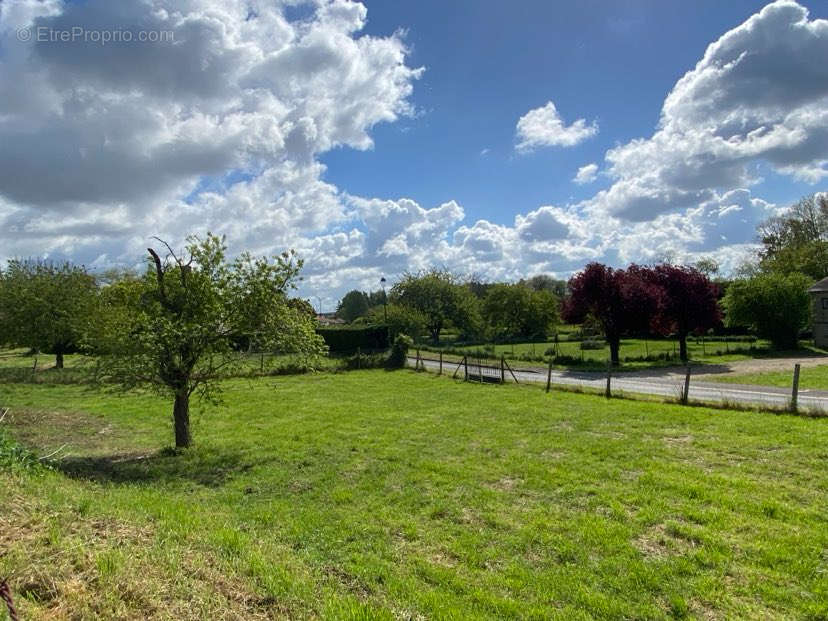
24, 35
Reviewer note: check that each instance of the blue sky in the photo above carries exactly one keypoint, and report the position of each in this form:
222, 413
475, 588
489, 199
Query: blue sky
383, 137
487, 63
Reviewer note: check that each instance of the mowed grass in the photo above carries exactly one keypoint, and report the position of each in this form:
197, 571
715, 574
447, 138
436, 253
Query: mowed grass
633, 352
810, 378
376, 495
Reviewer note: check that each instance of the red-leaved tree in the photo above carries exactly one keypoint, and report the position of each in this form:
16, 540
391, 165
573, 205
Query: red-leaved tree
622, 301
687, 302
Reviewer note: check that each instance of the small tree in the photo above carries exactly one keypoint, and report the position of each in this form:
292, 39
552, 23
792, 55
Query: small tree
45, 305
441, 299
353, 305
776, 306
401, 320
515, 311
622, 301
177, 329
687, 301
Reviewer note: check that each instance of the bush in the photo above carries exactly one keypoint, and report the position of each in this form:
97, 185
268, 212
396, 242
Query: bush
776, 306
592, 344
399, 352
365, 361
16, 458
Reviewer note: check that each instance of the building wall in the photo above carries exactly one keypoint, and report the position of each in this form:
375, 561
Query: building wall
820, 319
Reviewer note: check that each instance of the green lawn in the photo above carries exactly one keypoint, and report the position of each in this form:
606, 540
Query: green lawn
814, 378
636, 354
375, 495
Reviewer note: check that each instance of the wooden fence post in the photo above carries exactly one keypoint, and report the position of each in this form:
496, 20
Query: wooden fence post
685, 394
549, 376
502, 369
795, 389
466, 365
608, 392
441, 364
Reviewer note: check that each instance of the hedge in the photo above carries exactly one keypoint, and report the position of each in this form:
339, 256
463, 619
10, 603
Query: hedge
348, 339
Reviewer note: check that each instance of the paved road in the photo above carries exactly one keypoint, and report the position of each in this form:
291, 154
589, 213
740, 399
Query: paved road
663, 384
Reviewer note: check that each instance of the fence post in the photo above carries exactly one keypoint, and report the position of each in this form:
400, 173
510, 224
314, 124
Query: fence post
441, 364
795, 389
608, 392
480, 368
549, 376
502, 369
466, 366
685, 395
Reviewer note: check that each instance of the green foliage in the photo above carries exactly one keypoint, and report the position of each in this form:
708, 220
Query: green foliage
399, 351
401, 320
775, 305
176, 329
45, 305
797, 241
515, 311
441, 299
353, 305
544, 282
15, 457
349, 339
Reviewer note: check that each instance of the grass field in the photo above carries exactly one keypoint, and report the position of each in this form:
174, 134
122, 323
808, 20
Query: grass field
636, 354
810, 378
373, 495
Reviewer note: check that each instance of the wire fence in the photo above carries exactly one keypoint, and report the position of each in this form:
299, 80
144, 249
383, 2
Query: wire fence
683, 387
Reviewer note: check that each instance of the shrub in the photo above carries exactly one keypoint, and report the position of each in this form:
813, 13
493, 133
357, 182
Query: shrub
776, 306
399, 352
592, 344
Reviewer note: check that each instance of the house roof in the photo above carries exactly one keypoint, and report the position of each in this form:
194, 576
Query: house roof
820, 287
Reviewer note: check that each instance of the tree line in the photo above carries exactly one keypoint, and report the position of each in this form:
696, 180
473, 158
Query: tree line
768, 296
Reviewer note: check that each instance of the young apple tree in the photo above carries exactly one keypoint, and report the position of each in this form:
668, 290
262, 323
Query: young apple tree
178, 329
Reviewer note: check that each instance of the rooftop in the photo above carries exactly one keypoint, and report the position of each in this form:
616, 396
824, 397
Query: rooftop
820, 287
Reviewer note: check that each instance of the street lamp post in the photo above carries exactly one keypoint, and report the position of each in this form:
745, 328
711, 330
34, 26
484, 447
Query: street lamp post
384, 301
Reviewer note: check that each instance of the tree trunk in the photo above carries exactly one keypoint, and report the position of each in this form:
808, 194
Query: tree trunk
59, 359
615, 347
682, 346
435, 335
181, 418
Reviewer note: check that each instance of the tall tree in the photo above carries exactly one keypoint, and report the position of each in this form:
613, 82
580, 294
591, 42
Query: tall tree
797, 241
545, 282
441, 298
45, 305
177, 329
353, 305
515, 311
687, 301
775, 305
622, 301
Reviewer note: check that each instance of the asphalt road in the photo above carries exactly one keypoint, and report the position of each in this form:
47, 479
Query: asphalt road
669, 385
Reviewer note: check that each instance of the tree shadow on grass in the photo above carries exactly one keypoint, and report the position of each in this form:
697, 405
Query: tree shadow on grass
207, 467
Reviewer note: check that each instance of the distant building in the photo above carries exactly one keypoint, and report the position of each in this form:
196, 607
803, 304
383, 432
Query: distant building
819, 295
329, 319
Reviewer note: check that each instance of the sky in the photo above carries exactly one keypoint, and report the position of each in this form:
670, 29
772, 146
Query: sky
496, 139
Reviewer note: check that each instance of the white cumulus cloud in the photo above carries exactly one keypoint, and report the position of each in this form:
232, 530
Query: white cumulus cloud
586, 174
544, 127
